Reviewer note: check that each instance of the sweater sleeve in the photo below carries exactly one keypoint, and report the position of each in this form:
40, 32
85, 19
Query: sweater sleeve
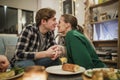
77, 52
80, 51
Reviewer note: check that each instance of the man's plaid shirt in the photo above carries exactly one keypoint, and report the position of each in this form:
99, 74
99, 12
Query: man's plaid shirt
29, 42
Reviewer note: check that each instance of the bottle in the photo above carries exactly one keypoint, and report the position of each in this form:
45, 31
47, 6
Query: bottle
114, 56
108, 56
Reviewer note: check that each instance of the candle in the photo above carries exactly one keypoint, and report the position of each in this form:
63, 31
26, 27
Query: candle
35, 73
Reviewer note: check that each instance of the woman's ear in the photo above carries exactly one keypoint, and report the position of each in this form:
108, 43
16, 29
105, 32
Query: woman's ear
68, 25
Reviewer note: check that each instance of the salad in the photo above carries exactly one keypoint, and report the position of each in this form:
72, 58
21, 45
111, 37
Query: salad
11, 73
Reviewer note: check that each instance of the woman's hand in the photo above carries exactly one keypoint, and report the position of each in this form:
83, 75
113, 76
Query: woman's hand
48, 53
4, 63
55, 51
51, 51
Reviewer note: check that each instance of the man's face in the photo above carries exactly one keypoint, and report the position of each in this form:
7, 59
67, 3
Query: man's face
62, 26
51, 24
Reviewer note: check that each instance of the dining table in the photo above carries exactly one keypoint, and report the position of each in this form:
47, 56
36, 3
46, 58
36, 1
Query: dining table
80, 76
56, 73
65, 77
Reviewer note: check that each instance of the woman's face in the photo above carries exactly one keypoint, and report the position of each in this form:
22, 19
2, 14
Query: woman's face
62, 26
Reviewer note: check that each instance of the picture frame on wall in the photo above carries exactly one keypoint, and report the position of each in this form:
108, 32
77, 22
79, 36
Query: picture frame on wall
69, 7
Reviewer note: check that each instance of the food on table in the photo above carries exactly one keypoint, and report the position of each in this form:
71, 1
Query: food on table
104, 74
12, 72
70, 67
7, 74
97, 75
63, 60
118, 74
18, 70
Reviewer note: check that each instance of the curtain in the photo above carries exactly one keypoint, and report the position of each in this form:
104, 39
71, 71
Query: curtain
106, 30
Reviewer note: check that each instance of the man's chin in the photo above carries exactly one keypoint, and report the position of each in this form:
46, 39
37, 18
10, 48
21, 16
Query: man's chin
61, 34
52, 29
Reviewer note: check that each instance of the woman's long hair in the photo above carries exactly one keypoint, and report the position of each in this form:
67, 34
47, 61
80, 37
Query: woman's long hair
68, 18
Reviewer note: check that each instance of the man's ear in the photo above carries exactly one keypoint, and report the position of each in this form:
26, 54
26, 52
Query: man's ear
43, 21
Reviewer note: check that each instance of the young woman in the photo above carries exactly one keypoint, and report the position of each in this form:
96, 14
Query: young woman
79, 49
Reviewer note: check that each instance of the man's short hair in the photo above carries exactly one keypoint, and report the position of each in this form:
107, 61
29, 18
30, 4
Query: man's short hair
44, 13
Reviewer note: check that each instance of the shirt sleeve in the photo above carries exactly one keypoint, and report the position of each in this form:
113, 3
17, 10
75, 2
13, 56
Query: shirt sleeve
23, 44
81, 52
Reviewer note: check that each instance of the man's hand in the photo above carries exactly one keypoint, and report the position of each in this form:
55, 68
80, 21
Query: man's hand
4, 63
53, 52
58, 51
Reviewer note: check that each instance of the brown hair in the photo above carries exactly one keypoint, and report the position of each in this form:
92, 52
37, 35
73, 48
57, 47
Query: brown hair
68, 18
44, 13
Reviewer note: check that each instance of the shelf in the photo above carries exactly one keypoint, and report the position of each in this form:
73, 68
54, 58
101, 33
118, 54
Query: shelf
103, 21
102, 55
107, 43
109, 61
97, 18
104, 4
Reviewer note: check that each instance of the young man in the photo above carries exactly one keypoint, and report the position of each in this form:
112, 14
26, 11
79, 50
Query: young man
36, 44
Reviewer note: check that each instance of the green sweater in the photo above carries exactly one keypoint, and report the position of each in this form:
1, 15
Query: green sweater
80, 51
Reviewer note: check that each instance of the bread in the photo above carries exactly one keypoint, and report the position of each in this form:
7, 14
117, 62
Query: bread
97, 75
70, 67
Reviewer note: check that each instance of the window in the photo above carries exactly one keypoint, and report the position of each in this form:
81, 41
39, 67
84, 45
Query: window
27, 17
8, 20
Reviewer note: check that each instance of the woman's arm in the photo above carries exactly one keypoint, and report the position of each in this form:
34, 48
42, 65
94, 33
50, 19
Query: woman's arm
77, 52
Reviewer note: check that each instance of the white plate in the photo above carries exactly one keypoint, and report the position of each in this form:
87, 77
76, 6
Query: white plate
58, 70
18, 75
89, 71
